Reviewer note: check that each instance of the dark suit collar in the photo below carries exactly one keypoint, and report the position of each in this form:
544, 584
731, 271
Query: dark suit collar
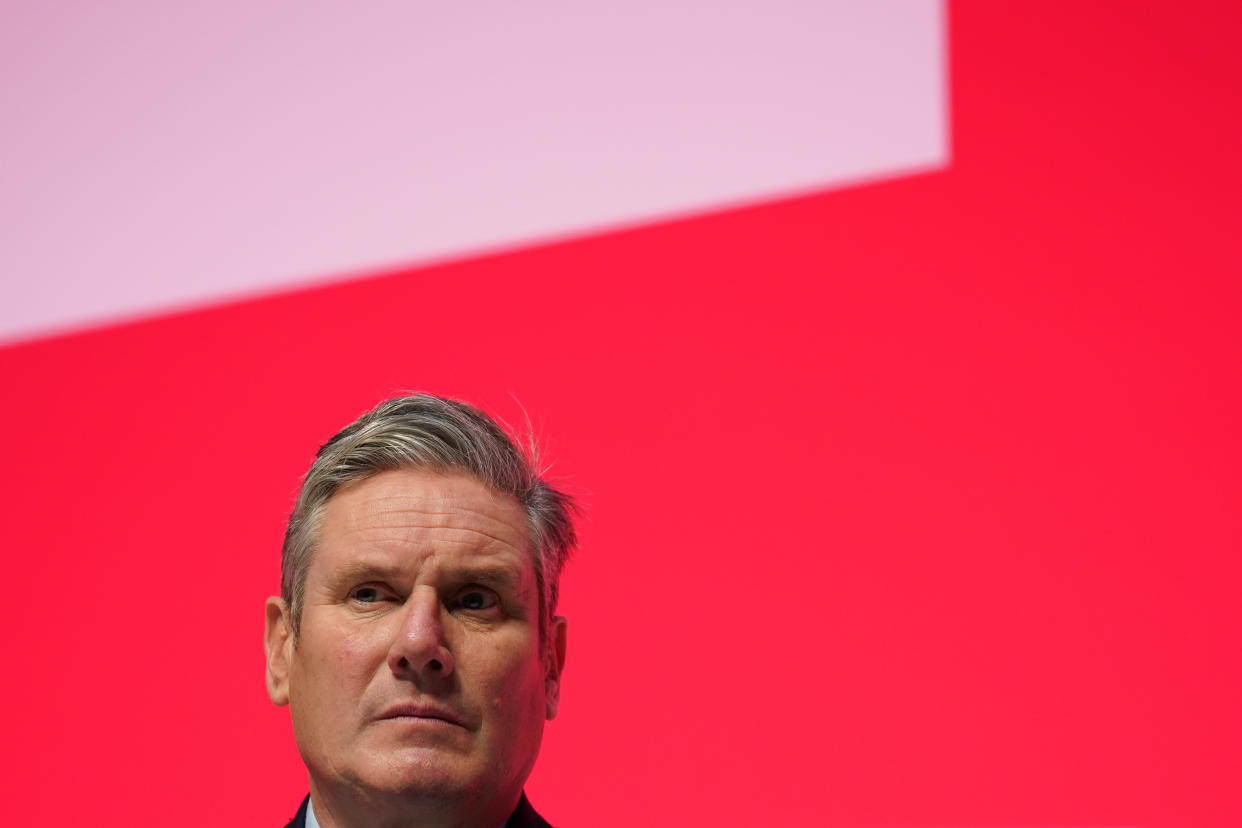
523, 816
299, 819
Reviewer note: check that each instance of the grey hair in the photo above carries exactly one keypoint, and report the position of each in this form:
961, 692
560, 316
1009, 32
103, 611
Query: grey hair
422, 431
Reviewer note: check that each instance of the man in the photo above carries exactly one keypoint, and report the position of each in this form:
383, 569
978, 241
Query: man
414, 638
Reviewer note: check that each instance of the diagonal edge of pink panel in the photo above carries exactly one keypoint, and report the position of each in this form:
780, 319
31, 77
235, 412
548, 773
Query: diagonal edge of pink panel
161, 161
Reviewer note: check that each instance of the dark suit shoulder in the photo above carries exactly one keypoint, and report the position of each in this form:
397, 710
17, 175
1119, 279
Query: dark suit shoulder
524, 816
299, 819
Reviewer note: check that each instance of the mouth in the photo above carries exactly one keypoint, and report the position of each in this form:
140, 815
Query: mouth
421, 712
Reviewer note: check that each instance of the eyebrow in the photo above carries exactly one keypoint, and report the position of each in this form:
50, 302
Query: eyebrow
363, 570
500, 577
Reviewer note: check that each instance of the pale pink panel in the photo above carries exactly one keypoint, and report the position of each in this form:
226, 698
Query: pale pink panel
158, 155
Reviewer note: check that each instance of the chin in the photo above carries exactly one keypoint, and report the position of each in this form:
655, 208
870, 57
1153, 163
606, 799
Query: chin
415, 773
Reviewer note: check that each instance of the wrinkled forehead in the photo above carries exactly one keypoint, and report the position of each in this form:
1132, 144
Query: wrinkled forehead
424, 513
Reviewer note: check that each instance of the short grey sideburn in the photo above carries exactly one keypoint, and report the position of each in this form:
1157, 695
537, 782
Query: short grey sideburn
422, 431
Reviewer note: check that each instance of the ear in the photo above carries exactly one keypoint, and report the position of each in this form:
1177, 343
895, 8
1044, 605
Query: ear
555, 664
278, 644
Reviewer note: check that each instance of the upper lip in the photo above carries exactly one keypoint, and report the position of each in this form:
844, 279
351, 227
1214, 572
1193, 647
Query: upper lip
422, 710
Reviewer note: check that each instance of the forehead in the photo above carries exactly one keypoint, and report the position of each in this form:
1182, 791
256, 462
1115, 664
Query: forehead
406, 515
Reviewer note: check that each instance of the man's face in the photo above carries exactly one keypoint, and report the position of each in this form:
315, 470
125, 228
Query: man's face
418, 671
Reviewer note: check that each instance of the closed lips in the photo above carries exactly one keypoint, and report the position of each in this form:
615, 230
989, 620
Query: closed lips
415, 711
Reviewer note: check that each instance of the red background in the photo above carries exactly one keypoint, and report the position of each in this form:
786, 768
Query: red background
909, 504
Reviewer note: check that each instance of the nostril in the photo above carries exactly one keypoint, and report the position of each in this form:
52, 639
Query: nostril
435, 664
403, 663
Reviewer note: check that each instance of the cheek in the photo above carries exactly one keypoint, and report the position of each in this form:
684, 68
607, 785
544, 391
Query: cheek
339, 668
514, 680
357, 656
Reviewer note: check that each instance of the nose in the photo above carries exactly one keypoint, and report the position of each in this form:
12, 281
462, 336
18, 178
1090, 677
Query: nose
419, 650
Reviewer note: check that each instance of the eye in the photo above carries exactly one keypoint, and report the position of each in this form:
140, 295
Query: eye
367, 594
477, 599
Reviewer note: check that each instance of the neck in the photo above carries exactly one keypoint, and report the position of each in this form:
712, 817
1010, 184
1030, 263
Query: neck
350, 808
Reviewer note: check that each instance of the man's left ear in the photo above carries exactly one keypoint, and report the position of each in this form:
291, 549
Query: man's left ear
555, 664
